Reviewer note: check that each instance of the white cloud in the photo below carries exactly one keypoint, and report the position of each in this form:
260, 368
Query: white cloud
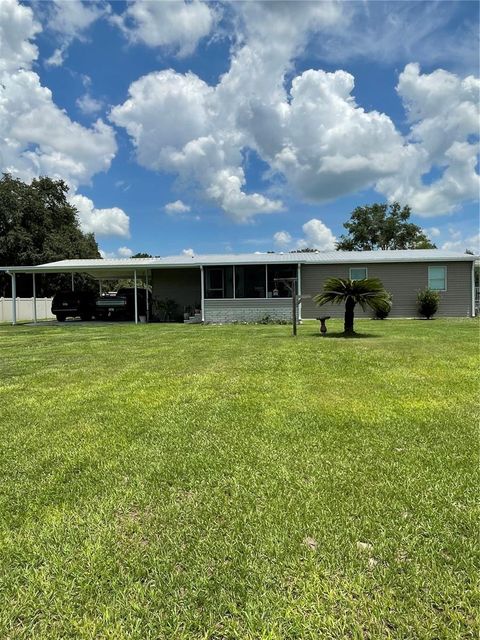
188, 252
121, 252
173, 208
17, 28
101, 222
175, 24
314, 135
282, 238
397, 32
458, 242
317, 236
125, 252
433, 232
37, 137
444, 112
174, 123
89, 105
70, 19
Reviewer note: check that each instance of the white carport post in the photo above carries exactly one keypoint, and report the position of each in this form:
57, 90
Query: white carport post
73, 283
202, 292
146, 293
136, 301
34, 295
299, 291
14, 298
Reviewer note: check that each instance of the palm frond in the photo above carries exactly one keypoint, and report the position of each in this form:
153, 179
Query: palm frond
368, 292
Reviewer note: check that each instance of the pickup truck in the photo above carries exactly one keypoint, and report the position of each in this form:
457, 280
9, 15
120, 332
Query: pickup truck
71, 304
121, 305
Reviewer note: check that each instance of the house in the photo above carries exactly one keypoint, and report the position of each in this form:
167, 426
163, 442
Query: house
245, 287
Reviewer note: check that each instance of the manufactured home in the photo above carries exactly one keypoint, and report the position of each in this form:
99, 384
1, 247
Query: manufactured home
248, 287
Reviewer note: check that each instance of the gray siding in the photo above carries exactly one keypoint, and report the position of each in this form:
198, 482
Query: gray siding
247, 309
402, 280
181, 285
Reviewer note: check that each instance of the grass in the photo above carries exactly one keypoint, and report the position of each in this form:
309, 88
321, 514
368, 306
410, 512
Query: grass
193, 482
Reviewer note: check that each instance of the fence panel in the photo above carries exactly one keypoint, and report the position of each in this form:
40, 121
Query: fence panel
24, 308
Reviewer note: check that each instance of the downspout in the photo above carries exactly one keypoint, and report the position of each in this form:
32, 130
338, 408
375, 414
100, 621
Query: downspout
202, 296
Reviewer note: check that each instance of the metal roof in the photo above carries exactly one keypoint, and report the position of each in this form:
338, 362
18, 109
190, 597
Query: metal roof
104, 267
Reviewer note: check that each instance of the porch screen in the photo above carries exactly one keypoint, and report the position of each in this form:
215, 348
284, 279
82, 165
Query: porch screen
219, 282
278, 289
250, 282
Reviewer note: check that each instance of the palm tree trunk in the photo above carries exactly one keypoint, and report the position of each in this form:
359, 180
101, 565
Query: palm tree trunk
349, 316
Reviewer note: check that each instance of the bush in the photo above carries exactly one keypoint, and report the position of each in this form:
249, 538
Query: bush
381, 314
427, 302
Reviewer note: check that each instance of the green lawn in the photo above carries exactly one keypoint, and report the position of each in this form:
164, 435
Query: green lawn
229, 482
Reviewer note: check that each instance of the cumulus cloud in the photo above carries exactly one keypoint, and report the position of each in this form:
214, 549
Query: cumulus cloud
444, 111
188, 252
175, 125
36, 136
282, 238
174, 208
121, 252
101, 222
458, 242
317, 236
88, 104
70, 20
17, 28
310, 131
125, 252
177, 25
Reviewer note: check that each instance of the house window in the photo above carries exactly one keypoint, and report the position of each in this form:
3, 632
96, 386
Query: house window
437, 278
358, 273
278, 289
219, 282
250, 282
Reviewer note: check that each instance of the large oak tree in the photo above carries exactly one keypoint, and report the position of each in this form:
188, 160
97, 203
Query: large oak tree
38, 225
382, 226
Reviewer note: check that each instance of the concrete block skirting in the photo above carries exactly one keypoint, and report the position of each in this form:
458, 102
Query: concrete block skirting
247, 309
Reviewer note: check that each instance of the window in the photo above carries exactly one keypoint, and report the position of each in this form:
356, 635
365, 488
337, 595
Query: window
437, 278
358, 273
278, 289
250, 281
219, 282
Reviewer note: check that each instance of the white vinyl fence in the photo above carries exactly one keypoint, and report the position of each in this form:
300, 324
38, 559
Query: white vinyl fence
25, 309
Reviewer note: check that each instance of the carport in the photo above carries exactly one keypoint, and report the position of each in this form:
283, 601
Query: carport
99, 269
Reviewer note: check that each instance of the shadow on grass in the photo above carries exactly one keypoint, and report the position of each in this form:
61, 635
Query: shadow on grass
346, 336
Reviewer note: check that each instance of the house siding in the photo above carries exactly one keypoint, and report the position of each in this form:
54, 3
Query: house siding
402, 280
247, 309
181, 285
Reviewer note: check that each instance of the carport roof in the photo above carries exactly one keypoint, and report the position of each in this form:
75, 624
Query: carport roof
104, 268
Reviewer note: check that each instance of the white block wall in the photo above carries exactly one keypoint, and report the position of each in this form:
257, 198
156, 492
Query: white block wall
24, 308
247, 310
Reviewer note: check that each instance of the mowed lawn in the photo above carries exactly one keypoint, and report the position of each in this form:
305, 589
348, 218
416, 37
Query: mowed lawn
229, 482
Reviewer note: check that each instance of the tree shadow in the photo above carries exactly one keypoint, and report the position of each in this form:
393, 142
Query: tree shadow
345, 336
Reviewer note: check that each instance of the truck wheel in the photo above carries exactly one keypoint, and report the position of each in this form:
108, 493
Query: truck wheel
61, 317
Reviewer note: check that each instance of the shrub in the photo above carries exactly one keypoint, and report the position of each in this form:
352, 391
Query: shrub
427, 302
381, 314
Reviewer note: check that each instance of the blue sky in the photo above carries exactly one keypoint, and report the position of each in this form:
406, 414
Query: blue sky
244, 126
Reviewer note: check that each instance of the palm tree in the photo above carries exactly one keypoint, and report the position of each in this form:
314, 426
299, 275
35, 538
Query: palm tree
368, 292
